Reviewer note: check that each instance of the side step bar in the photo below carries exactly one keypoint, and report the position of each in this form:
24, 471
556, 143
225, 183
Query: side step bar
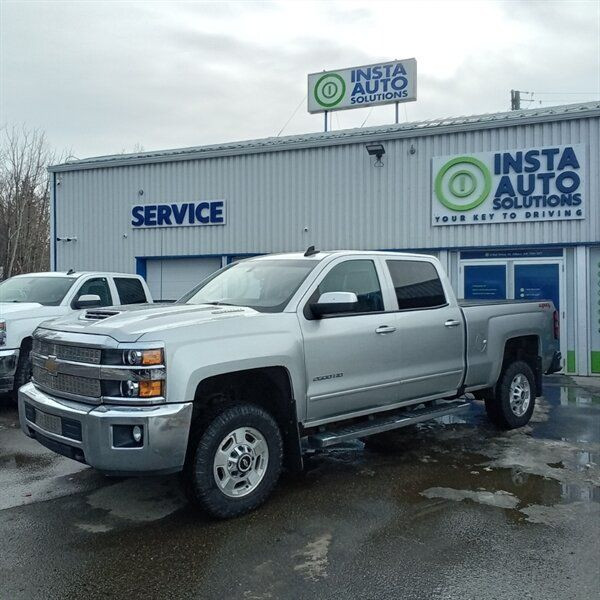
403, 418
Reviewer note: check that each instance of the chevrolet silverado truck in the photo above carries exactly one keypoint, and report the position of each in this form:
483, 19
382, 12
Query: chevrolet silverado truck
28, 300
274, 355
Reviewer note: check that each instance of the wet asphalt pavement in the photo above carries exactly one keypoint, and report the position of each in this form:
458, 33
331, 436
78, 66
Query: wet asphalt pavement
457, 510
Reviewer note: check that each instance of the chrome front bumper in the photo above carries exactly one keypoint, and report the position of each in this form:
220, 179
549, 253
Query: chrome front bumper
8, 367
88, 433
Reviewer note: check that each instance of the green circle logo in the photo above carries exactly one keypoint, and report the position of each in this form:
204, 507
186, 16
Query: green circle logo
463, 183
330, 90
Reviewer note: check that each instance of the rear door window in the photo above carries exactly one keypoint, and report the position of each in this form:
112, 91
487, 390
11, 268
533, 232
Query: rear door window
131, 290
417, 284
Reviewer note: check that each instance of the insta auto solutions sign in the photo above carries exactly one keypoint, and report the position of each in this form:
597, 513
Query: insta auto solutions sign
534, 184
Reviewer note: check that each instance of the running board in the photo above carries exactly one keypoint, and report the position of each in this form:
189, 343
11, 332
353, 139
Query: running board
403, 418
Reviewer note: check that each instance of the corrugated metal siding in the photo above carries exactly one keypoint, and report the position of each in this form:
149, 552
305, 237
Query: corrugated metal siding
334, 191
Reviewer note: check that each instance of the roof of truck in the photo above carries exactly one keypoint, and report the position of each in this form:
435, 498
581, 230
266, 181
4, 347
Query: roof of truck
321, 254
75, 274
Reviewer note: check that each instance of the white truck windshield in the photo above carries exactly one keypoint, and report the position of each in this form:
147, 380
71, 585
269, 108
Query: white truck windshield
265, 285
48, 291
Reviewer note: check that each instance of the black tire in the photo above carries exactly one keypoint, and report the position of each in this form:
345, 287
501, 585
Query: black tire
498, 405
206, 436
23, 372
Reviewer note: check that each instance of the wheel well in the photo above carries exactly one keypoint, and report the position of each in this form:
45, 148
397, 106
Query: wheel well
26, 344
267, 387
525, 348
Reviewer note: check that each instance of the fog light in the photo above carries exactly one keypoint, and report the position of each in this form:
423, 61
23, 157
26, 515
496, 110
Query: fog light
137, 433
128, 436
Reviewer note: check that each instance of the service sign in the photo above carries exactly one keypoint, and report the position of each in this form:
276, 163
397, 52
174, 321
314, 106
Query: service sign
380, 83
180, 214
514, 186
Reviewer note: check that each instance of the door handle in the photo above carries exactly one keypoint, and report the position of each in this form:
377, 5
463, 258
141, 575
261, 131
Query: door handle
452, 323
385, 329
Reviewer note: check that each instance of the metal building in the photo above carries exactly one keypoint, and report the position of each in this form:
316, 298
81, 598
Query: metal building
509, 202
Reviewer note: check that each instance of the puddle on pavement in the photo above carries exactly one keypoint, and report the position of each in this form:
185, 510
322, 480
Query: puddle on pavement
533, 472
20, 460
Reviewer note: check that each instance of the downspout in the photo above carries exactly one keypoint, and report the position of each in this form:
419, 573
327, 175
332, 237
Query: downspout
53, 246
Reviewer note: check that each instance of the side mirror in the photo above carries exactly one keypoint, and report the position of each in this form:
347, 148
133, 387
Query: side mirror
87, 301
331, 303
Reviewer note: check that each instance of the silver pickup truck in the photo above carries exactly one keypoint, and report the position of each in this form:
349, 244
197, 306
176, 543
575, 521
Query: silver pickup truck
276, 354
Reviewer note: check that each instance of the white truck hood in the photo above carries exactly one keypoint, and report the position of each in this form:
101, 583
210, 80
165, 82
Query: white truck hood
27, 310
133, 321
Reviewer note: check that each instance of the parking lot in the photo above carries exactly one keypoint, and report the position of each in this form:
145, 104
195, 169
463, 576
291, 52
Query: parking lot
455, 510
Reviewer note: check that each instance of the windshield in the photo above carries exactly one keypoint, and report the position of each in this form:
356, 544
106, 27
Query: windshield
48, 291
265, 285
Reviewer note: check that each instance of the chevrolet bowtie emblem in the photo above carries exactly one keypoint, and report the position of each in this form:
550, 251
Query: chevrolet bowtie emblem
51, 365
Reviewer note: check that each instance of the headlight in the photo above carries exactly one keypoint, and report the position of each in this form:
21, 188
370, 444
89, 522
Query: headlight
144, 358
2, 333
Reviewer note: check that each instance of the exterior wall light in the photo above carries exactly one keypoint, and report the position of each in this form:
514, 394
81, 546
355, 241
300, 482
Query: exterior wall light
377, 150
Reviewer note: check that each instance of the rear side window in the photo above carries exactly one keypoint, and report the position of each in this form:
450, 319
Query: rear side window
131, 291
417, 284
358, 276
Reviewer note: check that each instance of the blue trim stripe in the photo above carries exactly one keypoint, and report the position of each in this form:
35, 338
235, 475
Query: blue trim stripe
140, 266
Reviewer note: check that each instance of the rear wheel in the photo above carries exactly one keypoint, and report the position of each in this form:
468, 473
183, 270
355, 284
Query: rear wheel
234, 461
513, 402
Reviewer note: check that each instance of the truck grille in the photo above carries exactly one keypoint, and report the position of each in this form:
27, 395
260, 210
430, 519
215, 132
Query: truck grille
70, 384
64, 352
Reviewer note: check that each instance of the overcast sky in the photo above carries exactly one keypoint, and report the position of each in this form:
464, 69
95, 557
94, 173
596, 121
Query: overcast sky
103, 77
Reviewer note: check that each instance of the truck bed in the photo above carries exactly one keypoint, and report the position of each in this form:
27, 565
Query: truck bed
465, 303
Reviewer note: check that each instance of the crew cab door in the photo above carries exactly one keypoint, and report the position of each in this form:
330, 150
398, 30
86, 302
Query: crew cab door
97, 286
430, 329
350, 358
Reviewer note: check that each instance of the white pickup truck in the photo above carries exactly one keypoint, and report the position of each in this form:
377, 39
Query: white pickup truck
28, 300
274, 354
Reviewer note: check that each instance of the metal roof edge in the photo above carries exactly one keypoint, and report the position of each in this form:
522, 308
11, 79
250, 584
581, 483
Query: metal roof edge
339, 138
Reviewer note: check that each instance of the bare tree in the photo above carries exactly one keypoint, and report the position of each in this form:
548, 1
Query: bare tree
24, 201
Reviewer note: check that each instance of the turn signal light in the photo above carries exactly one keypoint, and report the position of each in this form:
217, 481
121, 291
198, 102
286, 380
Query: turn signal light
152, 357
151, 389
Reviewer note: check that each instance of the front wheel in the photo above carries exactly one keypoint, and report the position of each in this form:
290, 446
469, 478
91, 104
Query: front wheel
234, 461
22, 372
512, 404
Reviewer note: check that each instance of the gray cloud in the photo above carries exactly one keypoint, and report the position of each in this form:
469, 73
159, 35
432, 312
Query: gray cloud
103, 76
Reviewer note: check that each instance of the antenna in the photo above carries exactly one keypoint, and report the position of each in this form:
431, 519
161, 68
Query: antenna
310, 251
70, 271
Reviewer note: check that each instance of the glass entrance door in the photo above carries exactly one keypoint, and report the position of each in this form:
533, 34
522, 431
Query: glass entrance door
516, 279
538, 281
485, 282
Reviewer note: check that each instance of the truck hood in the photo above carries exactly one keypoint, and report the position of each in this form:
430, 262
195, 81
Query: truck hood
129, 323
20, 310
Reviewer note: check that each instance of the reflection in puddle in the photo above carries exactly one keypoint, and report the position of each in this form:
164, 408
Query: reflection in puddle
550, 463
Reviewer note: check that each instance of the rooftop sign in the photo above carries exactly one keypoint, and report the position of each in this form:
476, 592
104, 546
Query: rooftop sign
355, 87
